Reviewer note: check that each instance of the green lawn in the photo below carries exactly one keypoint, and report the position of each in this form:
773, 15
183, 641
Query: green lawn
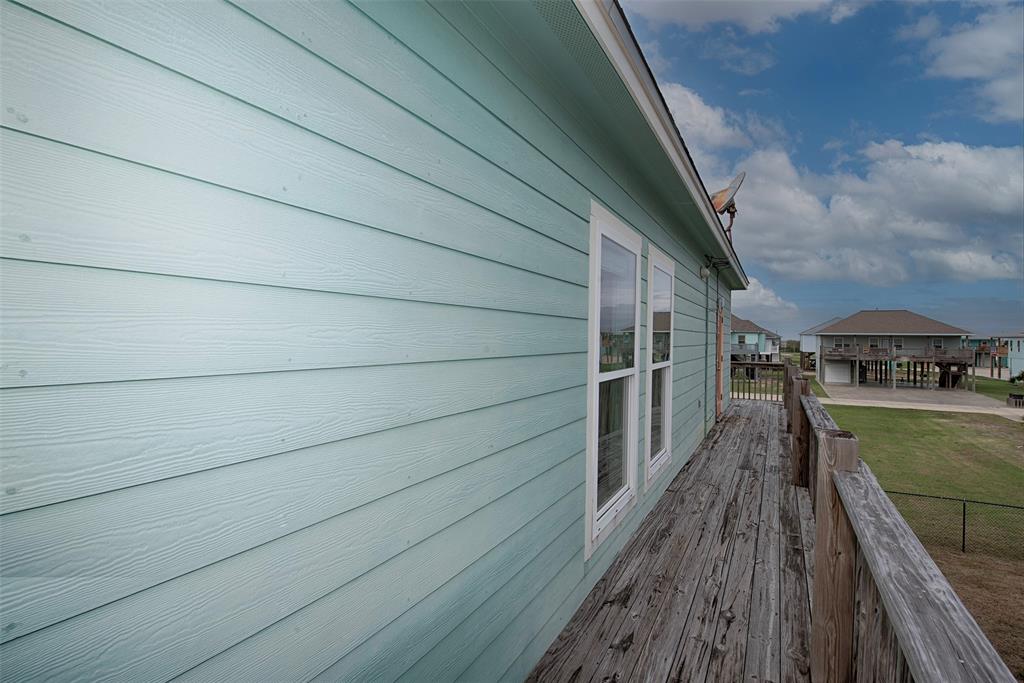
818, 390
944, 454
998, 389
960, 455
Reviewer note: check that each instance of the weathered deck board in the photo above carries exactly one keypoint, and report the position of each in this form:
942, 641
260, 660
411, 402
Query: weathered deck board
713, 584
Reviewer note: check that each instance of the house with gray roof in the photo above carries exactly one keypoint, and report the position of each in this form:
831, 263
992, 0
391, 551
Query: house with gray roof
750, 341
891, 347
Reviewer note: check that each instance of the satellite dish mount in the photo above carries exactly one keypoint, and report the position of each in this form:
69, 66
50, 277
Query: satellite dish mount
724, 201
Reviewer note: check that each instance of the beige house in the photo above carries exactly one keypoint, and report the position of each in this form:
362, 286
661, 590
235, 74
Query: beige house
887, 347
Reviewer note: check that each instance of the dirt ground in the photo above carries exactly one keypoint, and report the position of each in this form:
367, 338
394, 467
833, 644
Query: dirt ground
993, 590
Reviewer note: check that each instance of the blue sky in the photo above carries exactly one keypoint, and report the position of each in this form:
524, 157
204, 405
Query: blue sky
883, 142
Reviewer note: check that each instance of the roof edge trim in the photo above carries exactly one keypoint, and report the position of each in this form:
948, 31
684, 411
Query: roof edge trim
609, 27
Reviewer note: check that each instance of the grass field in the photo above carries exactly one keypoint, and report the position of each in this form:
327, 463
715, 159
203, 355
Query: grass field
818, 390
998, 389
944, 454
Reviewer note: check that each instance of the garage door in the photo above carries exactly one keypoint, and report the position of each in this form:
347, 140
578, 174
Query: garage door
837, 372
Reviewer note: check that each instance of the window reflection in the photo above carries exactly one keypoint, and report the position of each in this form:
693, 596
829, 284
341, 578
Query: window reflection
618, 306
661, 300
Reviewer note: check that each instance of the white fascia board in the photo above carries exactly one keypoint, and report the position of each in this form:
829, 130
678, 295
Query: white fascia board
606, 24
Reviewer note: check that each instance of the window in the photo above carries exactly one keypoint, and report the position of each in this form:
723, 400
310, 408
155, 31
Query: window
742, 338
897, 343
613, 373
936, 342
873, 342
837, 342
660, 299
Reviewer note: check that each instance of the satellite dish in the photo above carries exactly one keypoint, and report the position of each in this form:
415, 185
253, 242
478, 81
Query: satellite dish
724, 201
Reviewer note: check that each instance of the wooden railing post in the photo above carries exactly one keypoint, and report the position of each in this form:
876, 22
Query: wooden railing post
834, 563
801, 430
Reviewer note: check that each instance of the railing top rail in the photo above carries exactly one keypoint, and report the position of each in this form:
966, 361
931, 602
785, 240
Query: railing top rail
939, 638
816, 413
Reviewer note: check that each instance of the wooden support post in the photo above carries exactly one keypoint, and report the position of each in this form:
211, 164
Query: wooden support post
800, 441
835, 554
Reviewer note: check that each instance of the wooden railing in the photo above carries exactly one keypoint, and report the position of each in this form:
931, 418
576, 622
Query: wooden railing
759, 381
855, 351
881, 609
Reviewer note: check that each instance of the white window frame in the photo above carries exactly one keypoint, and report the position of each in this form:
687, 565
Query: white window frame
837, 342
940, 343
656, 462
873, 342
600, 523
897, 343
741, 339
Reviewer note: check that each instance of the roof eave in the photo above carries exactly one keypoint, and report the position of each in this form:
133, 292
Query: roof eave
607, 23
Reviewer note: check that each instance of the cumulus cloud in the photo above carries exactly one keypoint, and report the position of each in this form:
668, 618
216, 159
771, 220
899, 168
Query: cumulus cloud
741, 59
966, 264
704, 127
763, 16
761, 302
988, 51
932, 210
925, 27
658, 62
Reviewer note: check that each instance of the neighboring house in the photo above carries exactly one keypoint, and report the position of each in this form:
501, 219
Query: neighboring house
987, 351
872, 345
1014, 353
750, 341
809, 343
319, 333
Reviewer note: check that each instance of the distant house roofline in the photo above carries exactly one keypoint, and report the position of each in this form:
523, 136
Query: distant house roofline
891, 322
745, 325
820, 326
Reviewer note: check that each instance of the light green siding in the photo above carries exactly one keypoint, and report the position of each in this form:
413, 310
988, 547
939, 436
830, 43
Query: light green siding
294, 303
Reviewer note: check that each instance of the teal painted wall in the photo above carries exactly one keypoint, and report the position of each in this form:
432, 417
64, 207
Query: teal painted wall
758, 338
294, 335
1015, 355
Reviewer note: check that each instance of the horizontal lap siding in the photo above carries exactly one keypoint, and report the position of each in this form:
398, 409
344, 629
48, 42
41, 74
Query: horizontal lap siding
294, 335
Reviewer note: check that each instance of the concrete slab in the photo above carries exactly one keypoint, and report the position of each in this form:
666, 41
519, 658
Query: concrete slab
940, 397
947, 400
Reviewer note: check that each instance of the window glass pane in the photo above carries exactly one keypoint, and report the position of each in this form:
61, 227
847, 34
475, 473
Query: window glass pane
611, 439
618, 306
657, 416
661, 300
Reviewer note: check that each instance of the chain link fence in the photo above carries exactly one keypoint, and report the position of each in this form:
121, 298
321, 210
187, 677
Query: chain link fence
963, 524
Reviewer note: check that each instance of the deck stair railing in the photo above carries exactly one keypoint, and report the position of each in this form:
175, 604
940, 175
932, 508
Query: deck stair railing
881, 609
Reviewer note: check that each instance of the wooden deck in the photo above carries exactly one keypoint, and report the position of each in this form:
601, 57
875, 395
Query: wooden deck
714, 585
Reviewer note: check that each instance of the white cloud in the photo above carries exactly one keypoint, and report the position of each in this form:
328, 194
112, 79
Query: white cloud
762, 16
759, 302
922, 29
705, 128
989, 51
932, 210
966, 263
732, 56
658, 62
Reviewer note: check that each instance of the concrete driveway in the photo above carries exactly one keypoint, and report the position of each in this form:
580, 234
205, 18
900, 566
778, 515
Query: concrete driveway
920, 399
